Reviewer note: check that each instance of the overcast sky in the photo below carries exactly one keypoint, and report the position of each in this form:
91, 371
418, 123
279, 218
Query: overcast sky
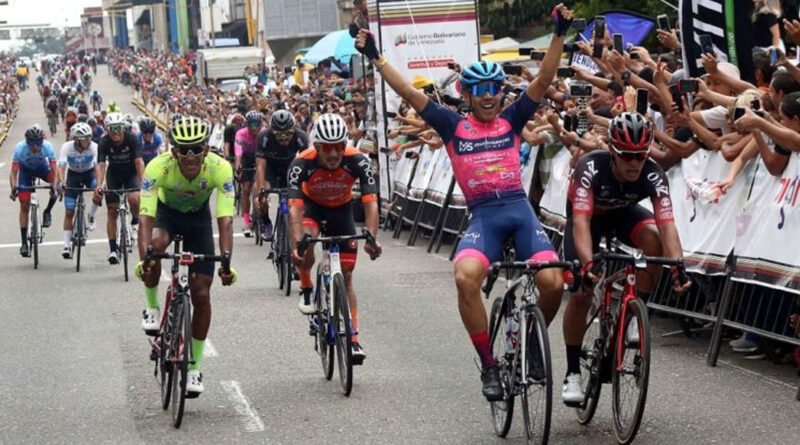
50, 12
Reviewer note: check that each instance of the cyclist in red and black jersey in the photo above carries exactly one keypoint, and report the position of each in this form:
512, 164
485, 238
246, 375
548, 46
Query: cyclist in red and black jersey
320, 189
603, 197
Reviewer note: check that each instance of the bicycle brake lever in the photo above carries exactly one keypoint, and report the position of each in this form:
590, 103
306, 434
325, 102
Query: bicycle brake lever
303, 245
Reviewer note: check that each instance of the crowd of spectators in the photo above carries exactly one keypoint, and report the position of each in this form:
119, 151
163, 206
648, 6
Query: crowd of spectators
9, 89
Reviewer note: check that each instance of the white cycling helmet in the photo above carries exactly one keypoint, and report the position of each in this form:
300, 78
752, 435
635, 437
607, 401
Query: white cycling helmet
81, 130
114, 119
329, 128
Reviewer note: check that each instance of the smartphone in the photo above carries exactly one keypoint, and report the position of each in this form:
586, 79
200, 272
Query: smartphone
579, 24
580, 90
565, 71
391, 114
537, 55
570, 48
618, 44
706, 44
597, 51
287, 69
676, 97
773, 56
525, 51
451, 65
755, 104
567, 122
642, 98
409, 154
634, 55
737, 113
599, 27
686, 86
663, 22
512, 70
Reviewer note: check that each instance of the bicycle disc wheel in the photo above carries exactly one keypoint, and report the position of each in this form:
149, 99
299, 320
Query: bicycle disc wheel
537, 395
34, 236
502, 410
629, 385
344, 341
184, 343
592, 355
286, 257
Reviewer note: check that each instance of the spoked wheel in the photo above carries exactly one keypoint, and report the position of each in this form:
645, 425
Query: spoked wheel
165, 368
344, 341
34, 236
629, 385
183, 345
324, 348
537, 395
278, 257
502, 410
77, 239
286, 256
592, 357
238, 197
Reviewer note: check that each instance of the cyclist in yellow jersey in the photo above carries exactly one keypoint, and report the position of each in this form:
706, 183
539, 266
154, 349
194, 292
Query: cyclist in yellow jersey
176, 190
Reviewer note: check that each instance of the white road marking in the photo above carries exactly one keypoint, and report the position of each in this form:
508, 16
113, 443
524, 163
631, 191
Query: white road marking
91, 241
210, 350
2, 164
252, 422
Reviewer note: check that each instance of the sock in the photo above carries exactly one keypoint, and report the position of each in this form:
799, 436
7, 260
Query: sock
644, 296
93, 210
306, 292
481, 343
23, 233
134, 220
354, 322
246, 219
197, 353
51, 203
151, 293
67, 237
305, 278
573, 359
112, 244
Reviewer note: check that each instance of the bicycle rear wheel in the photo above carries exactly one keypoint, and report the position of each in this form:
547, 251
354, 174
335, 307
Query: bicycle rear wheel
344, 341
537, 395
286, 255
592, 357
183, 336
34, 235
502, 410
629, 385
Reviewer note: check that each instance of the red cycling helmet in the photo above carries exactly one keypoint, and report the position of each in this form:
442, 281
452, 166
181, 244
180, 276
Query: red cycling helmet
630, 132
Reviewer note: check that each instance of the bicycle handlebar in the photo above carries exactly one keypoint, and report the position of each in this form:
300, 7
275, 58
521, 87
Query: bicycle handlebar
189, 258
640, 261
121, 191
307, 240
573, 268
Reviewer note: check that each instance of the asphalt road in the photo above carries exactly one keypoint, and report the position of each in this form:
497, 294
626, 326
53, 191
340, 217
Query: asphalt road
74, 364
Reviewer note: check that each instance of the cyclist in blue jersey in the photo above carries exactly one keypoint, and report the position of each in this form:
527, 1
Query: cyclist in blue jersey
484, 150
33, 158
151, 141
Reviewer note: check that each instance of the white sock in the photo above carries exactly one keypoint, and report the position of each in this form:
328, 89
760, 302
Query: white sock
93, 210
67, 237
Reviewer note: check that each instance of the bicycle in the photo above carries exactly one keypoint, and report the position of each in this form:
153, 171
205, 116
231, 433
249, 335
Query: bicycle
280, 250
609, 352
35, 230
238, 188
171, 349
125, 232
524, 360
79, 229
52, 122
334, 330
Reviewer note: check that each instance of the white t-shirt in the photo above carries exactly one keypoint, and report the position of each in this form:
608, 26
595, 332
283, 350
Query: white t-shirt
716, 118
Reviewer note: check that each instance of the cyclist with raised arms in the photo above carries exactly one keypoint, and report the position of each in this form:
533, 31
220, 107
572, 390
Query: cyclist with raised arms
488, 140
33, 158
320, 189
76, 165
176, 191
245, 144
277, 147
604, 192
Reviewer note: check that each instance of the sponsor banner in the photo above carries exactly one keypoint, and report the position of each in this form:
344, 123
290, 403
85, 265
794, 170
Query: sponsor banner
441, 177
554, 200
766, 229
425, 167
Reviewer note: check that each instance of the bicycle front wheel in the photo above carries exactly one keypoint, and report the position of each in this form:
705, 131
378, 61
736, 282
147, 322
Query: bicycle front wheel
34, 236
592, 358
502, 410
77, 238
324, 328
629, 384
123, 245
183, 335
165, 368
286, 255
344, 341
537, 396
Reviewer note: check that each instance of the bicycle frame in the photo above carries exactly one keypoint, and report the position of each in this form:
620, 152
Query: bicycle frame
330, 268
628, 294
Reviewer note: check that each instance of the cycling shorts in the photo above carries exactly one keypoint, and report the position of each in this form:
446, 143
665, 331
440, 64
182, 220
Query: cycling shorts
276, 179
491, 224
624, 224
248, 168
195, 228
338, 221
75, 180
116, 179
26, 176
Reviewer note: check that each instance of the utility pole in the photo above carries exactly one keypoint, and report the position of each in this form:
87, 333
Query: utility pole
211, 13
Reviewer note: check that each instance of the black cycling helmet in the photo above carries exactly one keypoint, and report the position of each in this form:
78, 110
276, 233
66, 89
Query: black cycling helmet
630, 132
281, 120
147, 125
34, 133
83, 118
253, 117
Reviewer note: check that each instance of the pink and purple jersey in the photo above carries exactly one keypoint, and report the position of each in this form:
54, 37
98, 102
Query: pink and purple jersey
485, 155
245, 144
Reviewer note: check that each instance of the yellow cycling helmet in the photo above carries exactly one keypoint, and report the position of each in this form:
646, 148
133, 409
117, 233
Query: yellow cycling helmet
188, 131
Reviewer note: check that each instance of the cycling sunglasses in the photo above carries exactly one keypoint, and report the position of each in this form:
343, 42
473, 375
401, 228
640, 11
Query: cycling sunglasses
34, 142
629, 156
340, 146
194, 150
493, 88
283, 134
254, 125
112, 128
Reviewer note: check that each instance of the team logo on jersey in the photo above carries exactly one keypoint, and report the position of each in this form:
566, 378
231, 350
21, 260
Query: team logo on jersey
147, 184
227, 186
203, 184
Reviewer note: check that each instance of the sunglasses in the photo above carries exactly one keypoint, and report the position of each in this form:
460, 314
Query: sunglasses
194, 150
112, 128
284, 134
493, 88
629, 156
254, 124
332, 147
35, 142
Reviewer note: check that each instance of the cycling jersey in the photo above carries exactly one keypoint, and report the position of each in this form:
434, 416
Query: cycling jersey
484, 155
164, 183
78, 161
593, 189
245, 144
97, 134
151, 149
52, 104
41, 160
280, 156
330, 188
119, 157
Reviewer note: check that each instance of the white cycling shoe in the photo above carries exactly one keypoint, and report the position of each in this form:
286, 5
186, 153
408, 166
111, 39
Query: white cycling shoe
572, 394
194, 384
150, 320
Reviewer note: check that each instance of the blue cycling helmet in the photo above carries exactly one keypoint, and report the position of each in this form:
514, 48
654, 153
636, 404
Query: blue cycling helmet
481, 71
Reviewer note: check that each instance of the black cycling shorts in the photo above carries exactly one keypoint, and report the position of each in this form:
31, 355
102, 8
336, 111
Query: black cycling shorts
248, 166
337, 221
624, 224
116, 179
277, 180
196, 230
